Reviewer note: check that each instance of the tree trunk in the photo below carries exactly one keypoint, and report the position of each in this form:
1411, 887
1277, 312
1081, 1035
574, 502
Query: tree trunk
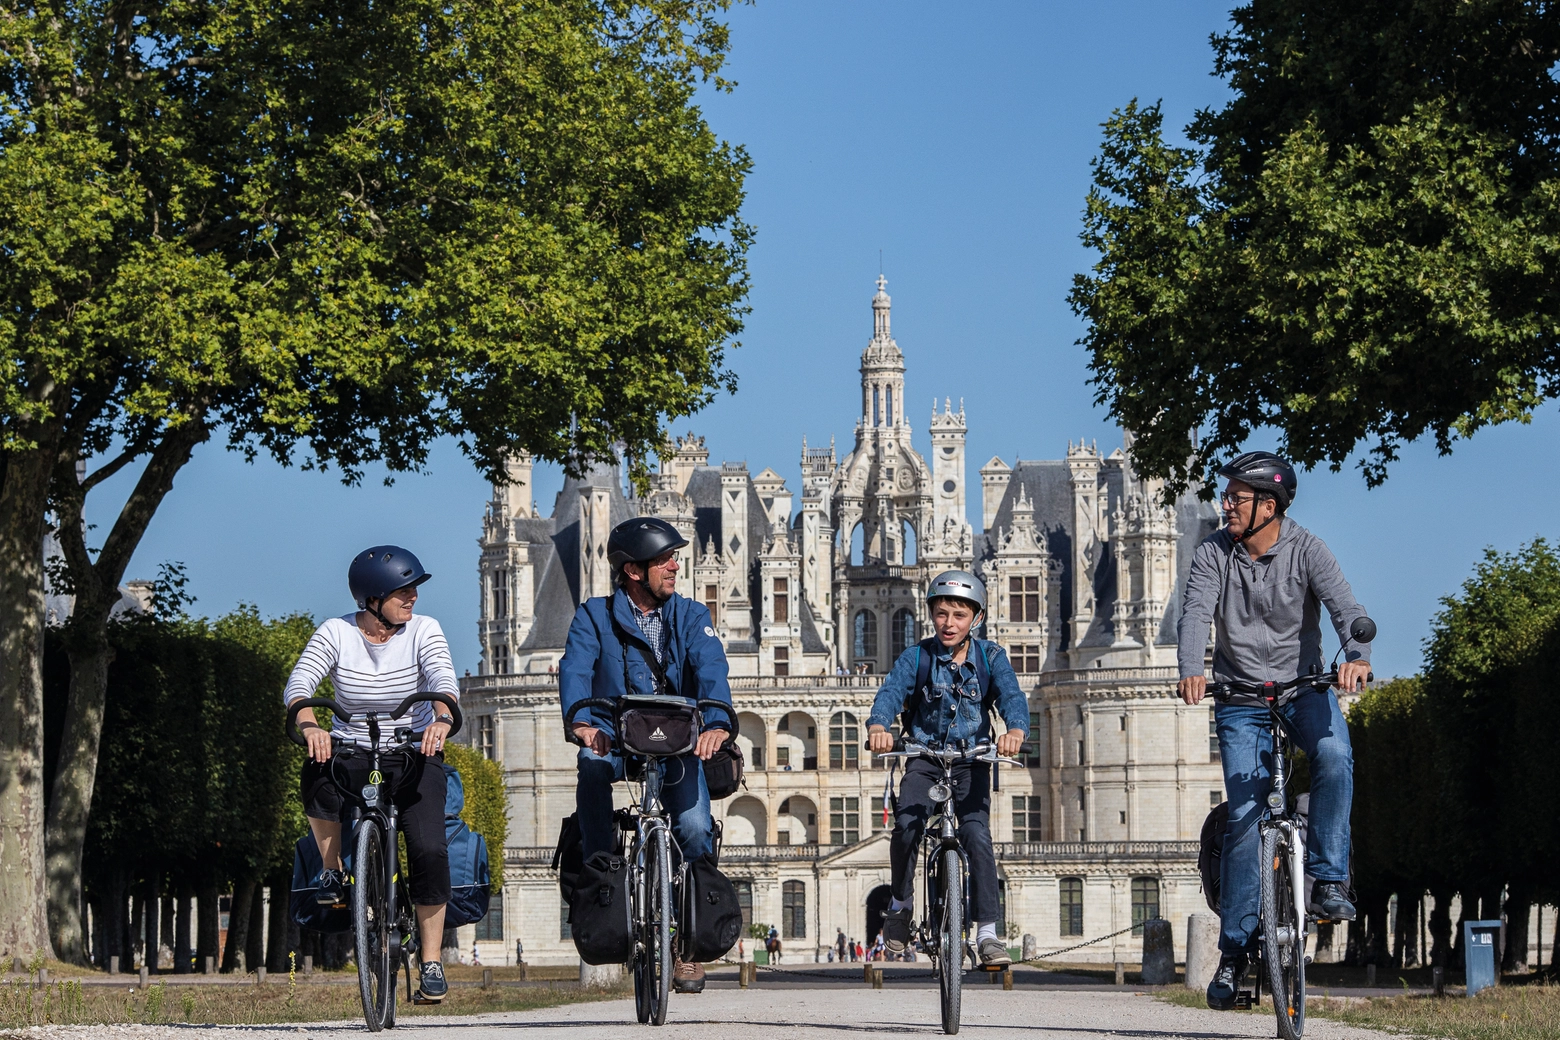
276, 941
153, 923
238, 926
181, 932
207, 942
97, 590
1514, 960
1441, 929
165, 921
24, 922
254, 948
134, 948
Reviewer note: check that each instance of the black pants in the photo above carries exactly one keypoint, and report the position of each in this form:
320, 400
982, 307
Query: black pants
972, 806
417, 789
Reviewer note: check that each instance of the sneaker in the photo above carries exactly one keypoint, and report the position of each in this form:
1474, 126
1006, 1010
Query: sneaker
331, 888
896, 930
688, 977
1226, 981
1330, 901
431, 987
994, 954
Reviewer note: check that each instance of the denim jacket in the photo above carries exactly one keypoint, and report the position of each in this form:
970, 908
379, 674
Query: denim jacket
952, 708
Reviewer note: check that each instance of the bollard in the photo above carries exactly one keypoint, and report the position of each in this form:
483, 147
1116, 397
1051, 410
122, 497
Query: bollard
113, 964
487, 978
308, 964
43, 977
866, 972
877, 978
1438, 980
521, 965
1158, 953
1370, 975
742, 982
143, 973
1007, 978
1031, 947
1121, 974
211, 966
260, 975
1202, 949
600, 976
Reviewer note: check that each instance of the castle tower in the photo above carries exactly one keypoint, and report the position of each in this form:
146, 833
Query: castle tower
1019, 596
736, 607
1083, 466
994, 478
506, 608
816, 535
882, 369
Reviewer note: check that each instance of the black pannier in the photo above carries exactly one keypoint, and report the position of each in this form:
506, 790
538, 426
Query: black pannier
723, 771
599, 916
711, 917
660, 726
569, 857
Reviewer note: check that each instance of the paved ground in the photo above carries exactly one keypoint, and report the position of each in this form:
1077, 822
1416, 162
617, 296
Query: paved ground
797, 1012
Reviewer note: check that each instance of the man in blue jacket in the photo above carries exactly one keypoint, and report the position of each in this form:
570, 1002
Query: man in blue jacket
612, 642
946, 686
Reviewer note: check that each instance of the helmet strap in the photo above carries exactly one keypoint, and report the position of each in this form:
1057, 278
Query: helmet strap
382, 619
1246, 534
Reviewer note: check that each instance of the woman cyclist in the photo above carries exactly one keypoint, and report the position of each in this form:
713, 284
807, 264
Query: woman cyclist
376, 658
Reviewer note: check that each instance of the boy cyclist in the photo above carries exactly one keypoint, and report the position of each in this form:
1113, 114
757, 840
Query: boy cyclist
960, 678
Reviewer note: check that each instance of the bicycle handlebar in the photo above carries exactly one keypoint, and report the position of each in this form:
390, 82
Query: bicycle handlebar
612, 705
1269, 692
401, 709
985, 751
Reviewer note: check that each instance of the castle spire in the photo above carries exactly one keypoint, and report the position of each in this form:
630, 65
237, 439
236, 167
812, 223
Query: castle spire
880, 306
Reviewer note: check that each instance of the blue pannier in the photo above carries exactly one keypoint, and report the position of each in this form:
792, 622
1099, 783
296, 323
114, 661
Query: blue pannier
471, 880
305, 878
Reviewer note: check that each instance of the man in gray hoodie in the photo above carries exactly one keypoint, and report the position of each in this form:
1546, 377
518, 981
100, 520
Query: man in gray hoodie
1261, 581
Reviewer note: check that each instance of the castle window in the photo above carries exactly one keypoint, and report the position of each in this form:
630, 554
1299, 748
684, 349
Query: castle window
866, 635
744, 900
1024, 599
876, 412
844, 742
782, 660
1072, 906
888, 407
1027, 823
878, 823
1029, 754
711, 599
902, 634
1025, 658
782, 601
793, 910
501, 593
1145, 902
844, 821
484, 741
491, 927
1213, 737
500, 659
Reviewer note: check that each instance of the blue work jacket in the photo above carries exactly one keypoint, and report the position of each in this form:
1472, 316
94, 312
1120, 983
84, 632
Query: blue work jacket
952, 708
593, 657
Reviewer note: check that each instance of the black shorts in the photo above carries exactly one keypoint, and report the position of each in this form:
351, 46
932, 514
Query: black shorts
417, 787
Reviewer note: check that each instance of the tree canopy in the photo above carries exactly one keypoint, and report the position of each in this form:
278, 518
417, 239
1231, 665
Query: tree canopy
1359, 249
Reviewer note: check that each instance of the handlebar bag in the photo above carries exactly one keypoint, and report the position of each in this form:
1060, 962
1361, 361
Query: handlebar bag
657, 729
723, 771
711, 915
599, 917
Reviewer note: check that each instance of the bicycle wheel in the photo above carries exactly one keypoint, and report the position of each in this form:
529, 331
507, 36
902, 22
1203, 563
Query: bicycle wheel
1283, 934
950, 938
639, 894
659, 924
373, 925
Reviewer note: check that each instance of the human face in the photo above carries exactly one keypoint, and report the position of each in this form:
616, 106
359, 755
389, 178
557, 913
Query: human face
397, 607
1239, 514
952, 620
660, 574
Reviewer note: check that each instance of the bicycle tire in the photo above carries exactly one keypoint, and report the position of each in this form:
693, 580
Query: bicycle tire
1283, 935
950, 938
639, 893
371, 925
660, 922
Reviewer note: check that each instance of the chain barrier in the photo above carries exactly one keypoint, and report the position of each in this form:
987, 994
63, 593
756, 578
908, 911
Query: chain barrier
1037, 958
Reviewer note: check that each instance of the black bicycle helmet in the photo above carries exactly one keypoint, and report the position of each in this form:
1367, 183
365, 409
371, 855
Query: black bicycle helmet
1265, 472
377, 572
641, 540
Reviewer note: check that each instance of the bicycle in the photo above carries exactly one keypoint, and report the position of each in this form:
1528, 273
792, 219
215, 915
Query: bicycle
1284, 922
944, 928
654, 890
383, 924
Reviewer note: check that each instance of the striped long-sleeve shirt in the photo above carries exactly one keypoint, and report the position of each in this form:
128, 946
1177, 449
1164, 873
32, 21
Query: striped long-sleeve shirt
376, 676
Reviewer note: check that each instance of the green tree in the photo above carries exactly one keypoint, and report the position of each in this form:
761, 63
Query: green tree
331, 233
1357, 250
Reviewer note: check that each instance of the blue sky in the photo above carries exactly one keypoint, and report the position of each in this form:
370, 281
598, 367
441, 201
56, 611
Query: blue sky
955, 139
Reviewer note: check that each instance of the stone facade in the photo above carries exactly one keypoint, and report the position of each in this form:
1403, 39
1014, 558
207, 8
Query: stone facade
1082, 566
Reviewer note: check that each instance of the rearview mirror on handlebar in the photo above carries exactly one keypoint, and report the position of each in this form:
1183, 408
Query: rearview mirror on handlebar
1363, 630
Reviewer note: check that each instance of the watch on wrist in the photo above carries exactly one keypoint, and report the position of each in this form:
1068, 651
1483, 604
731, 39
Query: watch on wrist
444, 717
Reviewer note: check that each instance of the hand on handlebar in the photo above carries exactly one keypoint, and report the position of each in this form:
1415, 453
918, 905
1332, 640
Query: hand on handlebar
433, 738
1353, 675
1193, 688
709, 743
1010, 743
593, 738
879, 739
317, 736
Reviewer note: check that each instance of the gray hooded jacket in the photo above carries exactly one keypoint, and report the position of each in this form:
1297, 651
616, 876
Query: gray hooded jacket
1266, 613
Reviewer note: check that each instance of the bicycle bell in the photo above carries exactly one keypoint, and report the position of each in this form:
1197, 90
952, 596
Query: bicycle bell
941, 792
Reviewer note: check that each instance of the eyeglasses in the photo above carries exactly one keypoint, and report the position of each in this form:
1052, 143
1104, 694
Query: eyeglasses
1228, 499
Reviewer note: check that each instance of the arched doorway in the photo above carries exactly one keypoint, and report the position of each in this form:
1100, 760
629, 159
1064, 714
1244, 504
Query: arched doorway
877, 905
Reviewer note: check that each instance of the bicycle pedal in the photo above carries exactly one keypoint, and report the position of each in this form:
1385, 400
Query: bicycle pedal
418, 998
1243, 1000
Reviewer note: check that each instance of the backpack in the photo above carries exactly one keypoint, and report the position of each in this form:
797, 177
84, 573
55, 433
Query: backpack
923, 678
599, 916
711, 915
307, 865
471, 876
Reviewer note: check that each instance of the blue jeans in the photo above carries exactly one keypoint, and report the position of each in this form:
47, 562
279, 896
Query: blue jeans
1316, 726
683, 792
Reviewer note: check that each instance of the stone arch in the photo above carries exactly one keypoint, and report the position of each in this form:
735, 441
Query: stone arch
864, 636
747, 822
877, 905
903, 632
857, 549
907, 544
753, 739
797, 821
796, 742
